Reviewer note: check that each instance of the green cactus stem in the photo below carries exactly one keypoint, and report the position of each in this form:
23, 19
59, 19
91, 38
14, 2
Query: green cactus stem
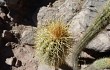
102, 20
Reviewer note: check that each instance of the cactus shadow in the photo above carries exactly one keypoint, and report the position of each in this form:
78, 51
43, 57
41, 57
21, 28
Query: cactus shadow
95, 54
65, 67
84, 60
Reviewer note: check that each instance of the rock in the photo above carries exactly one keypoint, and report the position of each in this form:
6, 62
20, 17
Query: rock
4, 11
8, 44
11, 61
65, 11
18, 63
2, 15
84, 19
45, 67
25, 54
85, 55
11, 45
2, 2
101, 42
28, 35
17, 35
8, 36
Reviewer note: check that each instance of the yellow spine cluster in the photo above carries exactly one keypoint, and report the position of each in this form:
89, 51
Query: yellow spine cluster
53, 42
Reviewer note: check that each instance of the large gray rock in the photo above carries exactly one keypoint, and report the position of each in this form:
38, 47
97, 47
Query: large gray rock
79, 21
28, 36
84, 19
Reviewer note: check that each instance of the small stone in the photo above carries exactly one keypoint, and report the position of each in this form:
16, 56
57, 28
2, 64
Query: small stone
11, 61
18, 63
7, 35
8, 44
85, 55
11, 45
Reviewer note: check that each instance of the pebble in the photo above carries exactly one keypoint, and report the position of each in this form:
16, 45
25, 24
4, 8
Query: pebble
10, 61
18, 63
13, 62
7, 35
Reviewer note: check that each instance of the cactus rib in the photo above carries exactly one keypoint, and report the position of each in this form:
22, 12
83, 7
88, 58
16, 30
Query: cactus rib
52, 43
99, 23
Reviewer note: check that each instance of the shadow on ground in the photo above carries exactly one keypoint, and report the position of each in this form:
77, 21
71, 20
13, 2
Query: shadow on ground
5, 52
95, 54
65, 67
23, 11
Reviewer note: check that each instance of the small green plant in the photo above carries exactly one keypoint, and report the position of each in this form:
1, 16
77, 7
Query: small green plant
100, 64
53, 42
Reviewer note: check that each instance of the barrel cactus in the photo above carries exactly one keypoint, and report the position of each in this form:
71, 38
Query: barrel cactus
53, 42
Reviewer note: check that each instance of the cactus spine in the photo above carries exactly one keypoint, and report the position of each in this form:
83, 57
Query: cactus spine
99, 23
53, 42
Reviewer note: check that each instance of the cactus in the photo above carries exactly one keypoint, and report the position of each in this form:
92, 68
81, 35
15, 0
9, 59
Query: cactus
53, 42
102, 20
100, 64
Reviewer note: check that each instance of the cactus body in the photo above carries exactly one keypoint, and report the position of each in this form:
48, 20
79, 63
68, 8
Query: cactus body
102, 20
52, 43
